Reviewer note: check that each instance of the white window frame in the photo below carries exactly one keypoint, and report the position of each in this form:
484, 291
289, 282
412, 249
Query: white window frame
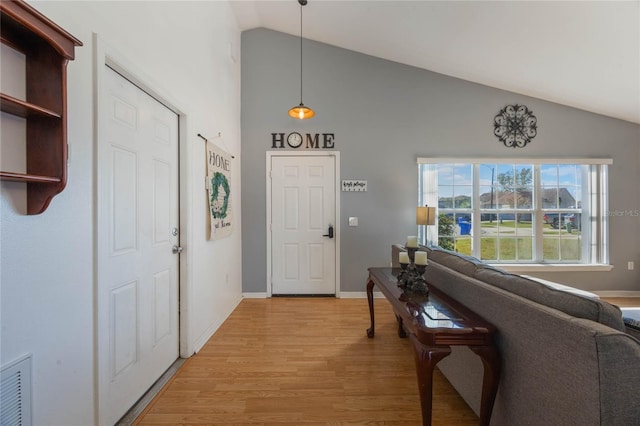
598, 251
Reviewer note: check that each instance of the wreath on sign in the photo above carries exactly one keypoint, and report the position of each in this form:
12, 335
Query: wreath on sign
219, 209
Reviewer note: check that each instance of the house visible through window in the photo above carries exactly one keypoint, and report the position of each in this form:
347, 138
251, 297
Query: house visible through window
518, 211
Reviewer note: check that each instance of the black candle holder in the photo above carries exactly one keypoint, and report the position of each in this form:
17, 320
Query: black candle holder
411, 251
404, 275
419, 284
411, 276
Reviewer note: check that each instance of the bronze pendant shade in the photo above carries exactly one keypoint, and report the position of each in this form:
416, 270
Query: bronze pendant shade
301, 112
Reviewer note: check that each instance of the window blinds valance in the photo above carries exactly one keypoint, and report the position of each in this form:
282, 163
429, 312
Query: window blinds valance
475, 160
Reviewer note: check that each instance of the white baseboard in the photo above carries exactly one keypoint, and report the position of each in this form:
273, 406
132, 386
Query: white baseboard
204, 338
617, 293
378, 295
262, 295
342, 295
359, 295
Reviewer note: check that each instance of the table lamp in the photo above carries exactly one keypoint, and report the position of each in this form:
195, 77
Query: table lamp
425, 216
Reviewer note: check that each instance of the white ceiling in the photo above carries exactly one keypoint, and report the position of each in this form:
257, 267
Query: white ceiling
585, 54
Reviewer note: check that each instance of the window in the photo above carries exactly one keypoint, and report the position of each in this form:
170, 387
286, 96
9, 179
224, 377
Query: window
518, 211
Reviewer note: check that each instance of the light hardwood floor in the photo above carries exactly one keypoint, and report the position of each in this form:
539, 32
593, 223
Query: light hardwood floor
306, 361
303, 361
624, 301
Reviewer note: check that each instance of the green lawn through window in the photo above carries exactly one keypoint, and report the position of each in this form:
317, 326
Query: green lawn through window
558, 244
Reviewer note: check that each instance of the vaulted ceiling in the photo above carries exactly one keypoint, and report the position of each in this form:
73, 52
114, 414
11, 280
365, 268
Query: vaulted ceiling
584, 54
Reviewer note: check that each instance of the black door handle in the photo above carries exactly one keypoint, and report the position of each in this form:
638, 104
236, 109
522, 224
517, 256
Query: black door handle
330, 234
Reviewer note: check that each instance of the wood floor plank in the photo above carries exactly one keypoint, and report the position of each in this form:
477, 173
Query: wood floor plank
306, 361
629, 302
303, 361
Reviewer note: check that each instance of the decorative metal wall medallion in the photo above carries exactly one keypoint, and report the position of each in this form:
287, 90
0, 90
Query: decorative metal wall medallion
515, 126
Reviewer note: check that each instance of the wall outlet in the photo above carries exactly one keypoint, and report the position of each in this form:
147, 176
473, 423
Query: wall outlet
630, 265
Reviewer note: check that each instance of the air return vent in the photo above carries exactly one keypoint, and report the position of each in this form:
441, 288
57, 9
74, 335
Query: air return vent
15, 393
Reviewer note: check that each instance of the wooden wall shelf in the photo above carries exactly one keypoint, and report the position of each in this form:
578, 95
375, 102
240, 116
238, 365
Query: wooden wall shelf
47, 49
23, 177
24, 109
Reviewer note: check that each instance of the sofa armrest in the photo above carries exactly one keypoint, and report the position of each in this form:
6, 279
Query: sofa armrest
618, 355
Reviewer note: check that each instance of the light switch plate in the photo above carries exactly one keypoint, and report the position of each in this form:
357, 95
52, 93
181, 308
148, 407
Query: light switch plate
353, 221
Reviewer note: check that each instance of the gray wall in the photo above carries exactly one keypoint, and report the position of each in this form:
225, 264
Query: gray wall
385, 115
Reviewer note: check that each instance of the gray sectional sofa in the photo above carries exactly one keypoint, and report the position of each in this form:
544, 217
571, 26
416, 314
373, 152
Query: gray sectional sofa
567, 359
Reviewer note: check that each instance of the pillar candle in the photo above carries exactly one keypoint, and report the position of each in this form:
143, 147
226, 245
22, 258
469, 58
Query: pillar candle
421, 258
412, 242
403, 257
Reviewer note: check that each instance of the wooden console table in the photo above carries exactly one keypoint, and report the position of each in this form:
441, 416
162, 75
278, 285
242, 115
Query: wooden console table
434, 323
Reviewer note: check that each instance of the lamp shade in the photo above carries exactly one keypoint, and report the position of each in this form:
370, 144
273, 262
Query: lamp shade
301, 112
425, 215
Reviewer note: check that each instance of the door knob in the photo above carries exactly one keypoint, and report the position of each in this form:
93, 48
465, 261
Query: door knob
330, 234
176, 249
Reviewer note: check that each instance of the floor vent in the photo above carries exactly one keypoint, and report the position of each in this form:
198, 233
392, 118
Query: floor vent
15, 393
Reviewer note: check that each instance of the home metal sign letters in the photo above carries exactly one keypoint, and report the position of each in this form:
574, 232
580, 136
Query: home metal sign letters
308, 141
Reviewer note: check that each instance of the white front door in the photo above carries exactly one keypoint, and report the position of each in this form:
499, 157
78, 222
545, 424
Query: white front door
303, 207
137, 222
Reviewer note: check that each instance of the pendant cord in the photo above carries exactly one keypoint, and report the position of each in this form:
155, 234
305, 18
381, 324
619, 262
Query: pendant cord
300, 54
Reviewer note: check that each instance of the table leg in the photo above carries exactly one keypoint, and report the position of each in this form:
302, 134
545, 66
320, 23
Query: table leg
371, 330
426, 358
491, 362
401, 331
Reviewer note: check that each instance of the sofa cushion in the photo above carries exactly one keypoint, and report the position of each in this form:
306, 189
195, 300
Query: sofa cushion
571, 304
562, 287
466, 265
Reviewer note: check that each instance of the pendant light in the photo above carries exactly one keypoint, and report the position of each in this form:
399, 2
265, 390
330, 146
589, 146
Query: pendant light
301, 112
